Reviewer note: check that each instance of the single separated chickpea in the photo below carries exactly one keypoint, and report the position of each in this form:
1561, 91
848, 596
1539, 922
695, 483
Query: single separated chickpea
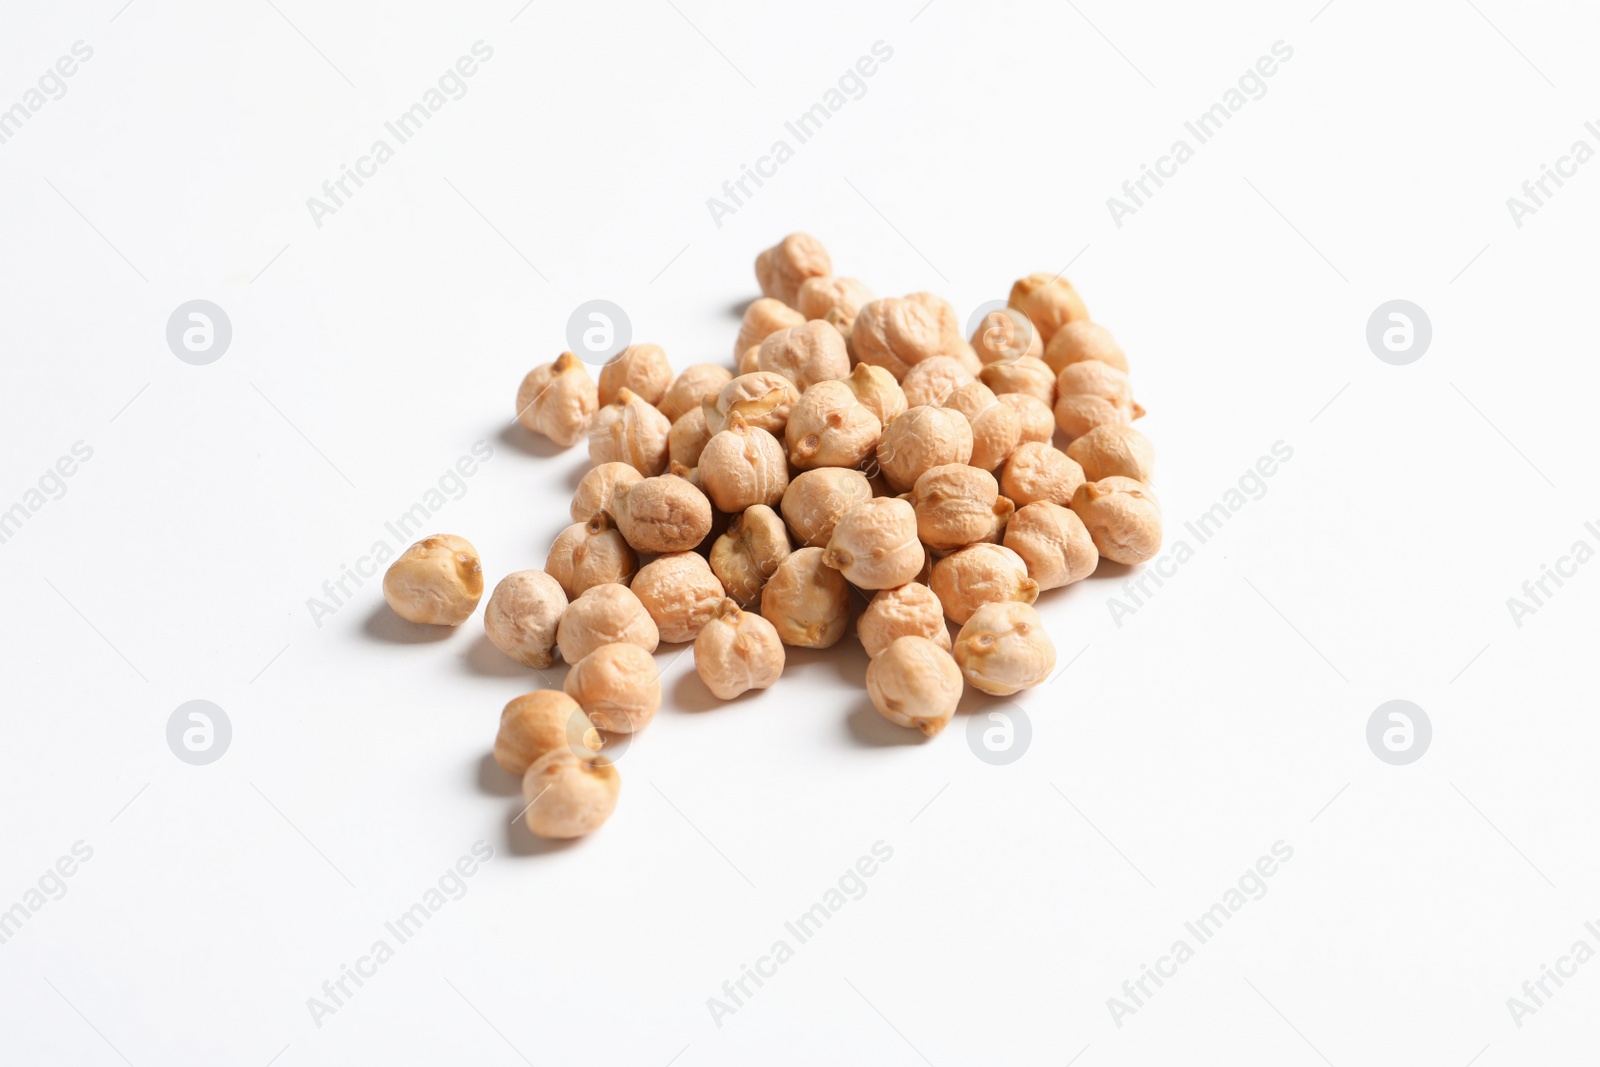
1005, 335
1054, 544
1003, 648
742, 466
535, 724
915, 683
910, 610
980, 574
996, 429
806, 600
570, 795
763, 398
737, 651
1083, 340
834, 300
879, 392
662, 514
1091, 394
618, 686
1114, 451
629, 430
605, 615
782, 269
1040, 471
641, 368
931, 382
816, 498
958, 505
690, 387
587, 554
830, 427
1122, 516
558, 400
896, 333
594, 491
680, 592
436, 581
521, 617
874, 544
762, 319
922, 438
1049, 301
806, 354
1023, 375
749, 552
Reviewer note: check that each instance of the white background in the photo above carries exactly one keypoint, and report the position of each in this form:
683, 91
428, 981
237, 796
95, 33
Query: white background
1227, 714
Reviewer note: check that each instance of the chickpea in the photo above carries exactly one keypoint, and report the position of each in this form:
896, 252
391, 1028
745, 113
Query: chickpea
1040, 471
874, 544
749, 361
1091, 394
1054, 544
915, 683
662, 514
618, 686
522, 615
1114, 450
807, 600
958, 505
1049, 301
930, 382
1006, 335
747, 555
996, 429
605, 615
967, 356
594, 491
744, 465
1022, 375
680, 592
558, 400
782, 268
910, 610
764, 398
587, 554
436, 581
897, 332
1078, 341
641, 368
570, 795
536, 724
1037, 420
1004, 648
762, 319
829, 427
879, 392
1122, 516
834, 300
688, 438
629, 430
922, 438
816, 498
980, 574
690, 387
737, 651
806, 354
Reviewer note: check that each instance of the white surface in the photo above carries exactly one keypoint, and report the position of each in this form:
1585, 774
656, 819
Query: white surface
1193, 737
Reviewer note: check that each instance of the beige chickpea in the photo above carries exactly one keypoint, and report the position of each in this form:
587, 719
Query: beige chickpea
1091, 394
1054, 544
436, 581
874, 544
737, 651
829, 427
967, 356
1037, 420
641, 368
1005, 335
878, 391
931, 382
1114, 450
915, 683
666, 513
521, 617
558, 400
922, 438
594, 491
743, 465
762, 319
618, 686
1049, 301
816, 498
570, 795
763, 398
689, 388
680, 592
688, 438
782, 269
1083, 340
980, 574
1004, 648
604, 615
958, 505
910, 610
1038, 470
749, 360
806, 354
1122, 516
996, 429
807, 600
834, 300
587, 554
896, 333
1023, 375
749, 552
629, 430
536, 724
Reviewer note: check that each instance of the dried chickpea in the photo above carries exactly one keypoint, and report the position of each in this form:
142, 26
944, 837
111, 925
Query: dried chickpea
764, 398
922, 438
877, 389
806, 354
693, 385
641, 368
1004, 335
1084, 340
896, 333
1049, 301
1040, 471
436, 581
834, 300
981, 574
762, 319
522, 615
666, 513
587, 554
1114, 450
1122, 516
915, 683
680, 592
749, 360
829, 427
594, 491
967, 356
536, 724
570, 795
743, 465
737, 651
958, 505
558, 400
782, 268
605, 615
1054, 544
930, 382
1037, 420
688, 438
1022, 375
815, 499
745, 556
618, 686
996, 429
1091, 394
910, 610
807, 600
629, 430
874, 544
1004, 648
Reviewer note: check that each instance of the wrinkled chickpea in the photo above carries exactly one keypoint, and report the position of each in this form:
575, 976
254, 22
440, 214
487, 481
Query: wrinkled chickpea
932, 381
688, 438
1005, 335
689, 388
816, 498
750, 360
680, 592
629, 430
558, 400
878, 391
737, 651
922, 438
535, 724
1079, 341
782, 269
829, 427
1049, 301
618, 686
749, 552
1053, 543
1023, 375
587, 554
521, 617
910, 610
594, 491
436, 581
1004, 648
762, 319
806, 354
1040, 471
641, 368
742, 466
570, 795
764, 398
1091, 394
834, 300
980, 574
604, 615
996, 429
666, 513
807, 600
896, 333
1114, 450
915, 683
1037, 420
1122, 516
958, 505
874, 544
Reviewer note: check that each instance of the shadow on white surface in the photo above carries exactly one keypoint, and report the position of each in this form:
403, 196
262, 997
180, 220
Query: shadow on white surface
382, 624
